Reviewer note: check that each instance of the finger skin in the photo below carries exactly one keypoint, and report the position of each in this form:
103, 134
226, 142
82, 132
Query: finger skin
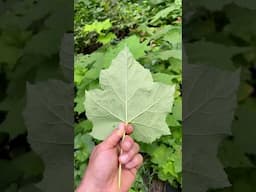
129, 129
128, 156
136, 162
127, 144
114, 138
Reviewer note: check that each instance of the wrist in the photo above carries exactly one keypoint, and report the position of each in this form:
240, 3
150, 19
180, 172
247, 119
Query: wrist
88, 187
88, 184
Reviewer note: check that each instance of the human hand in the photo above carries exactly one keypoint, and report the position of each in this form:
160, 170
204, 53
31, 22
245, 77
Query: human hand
102, 171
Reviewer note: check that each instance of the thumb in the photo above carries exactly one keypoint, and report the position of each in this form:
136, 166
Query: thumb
115, 137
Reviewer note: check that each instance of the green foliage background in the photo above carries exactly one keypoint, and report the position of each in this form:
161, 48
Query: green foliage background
152, 31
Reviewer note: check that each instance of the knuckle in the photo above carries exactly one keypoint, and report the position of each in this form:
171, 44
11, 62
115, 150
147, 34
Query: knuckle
127, 144
129, 138
134, 150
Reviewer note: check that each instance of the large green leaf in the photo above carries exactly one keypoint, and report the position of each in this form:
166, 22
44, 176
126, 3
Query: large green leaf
209, 102
201, 52
232, 155
238, 16
13, 123
129, 95
163, 13
66, 56
98, 26
48, 119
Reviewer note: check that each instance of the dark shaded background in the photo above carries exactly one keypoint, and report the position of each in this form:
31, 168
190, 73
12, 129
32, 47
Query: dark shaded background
36, 76
219, 46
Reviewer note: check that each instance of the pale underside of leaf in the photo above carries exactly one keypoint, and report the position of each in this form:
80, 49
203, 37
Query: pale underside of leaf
129, 95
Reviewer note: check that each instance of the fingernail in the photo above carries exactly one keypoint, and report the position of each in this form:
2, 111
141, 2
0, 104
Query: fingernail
121, 126
120, 129
123, 158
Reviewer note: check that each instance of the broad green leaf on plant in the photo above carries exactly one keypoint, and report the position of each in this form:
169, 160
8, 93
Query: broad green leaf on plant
168, 161
11, 173
48, 117
86, 74
80, 72
155, 2
206, 122
79, 108
171, 121
177, 159
66, 56
167, 172
163, 78
82, 60
246, 4
201, 52
163, 13
83, 147
87, 80
39, 43
9, 54
13, 123
99, 60
173, 36
161, 154
177, 109
92, 74
84, 127
30, 188
98, 26
106, 38
245, 90
30, 164
242, 178
244, 126
164, 55
161, 31
86, 61
129, 95
175, 65
231, 155
137, 48
238, 16
87, 67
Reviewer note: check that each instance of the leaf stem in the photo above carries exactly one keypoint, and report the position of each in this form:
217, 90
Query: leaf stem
120, 165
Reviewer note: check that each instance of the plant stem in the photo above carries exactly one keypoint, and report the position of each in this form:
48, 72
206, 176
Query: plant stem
120, 165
